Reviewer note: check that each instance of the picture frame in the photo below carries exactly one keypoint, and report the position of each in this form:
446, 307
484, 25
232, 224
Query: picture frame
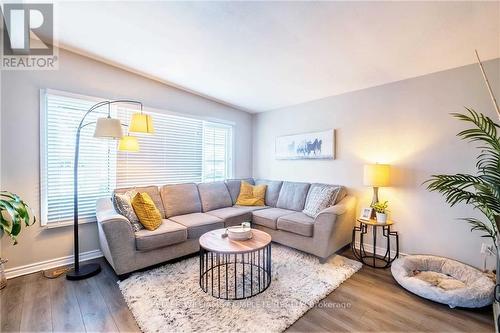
318, 145
366, 213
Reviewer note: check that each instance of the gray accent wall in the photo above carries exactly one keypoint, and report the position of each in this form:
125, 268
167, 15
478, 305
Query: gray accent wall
20, 114
406, 124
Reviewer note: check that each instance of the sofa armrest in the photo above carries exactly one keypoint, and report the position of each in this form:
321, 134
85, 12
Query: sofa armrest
330, 213
333, 225
116, 235
338, 209
105, 212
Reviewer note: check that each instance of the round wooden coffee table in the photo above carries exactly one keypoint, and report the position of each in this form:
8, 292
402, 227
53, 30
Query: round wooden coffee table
232, 269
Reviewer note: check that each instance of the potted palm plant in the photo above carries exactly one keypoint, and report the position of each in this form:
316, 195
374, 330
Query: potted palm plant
481, 190
14, 212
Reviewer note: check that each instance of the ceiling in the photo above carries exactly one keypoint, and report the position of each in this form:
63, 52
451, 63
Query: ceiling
259, 56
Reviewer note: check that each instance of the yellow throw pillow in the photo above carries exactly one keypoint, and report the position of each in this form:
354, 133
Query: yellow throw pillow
146, 211
251, 195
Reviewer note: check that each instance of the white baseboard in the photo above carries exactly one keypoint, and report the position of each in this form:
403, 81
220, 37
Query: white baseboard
380, 250
84, 256
51, 263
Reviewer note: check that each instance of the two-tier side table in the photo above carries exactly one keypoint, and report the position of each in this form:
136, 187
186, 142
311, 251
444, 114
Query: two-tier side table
373, 259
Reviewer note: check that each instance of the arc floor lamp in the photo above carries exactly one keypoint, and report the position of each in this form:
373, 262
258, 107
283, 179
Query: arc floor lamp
105, 128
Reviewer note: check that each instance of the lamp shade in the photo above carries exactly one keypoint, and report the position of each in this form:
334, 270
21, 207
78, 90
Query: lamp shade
141, 123
128, 143
376, 175
108, 128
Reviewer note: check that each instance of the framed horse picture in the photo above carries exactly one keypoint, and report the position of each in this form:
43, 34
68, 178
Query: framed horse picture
313, 145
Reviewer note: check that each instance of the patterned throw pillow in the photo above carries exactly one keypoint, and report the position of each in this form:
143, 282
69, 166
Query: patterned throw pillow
320, 197
148, 214
123, 205
338, 194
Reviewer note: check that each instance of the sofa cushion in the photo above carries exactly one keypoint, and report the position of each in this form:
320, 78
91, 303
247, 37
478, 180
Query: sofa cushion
233, 186
198, 223
214, 196
272, 191
168, 233
319, 197
152, 191
297, 223
268, 217
180, 199
293, 196
250, 208
232, 215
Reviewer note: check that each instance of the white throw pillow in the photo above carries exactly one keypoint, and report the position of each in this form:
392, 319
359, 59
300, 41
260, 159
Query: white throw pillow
319, 197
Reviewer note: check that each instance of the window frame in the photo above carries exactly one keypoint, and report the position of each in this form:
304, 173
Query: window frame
229, 153
43, 153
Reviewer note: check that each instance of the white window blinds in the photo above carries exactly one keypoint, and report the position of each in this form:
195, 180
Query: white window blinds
182, 149
96, 165
217, 161
173, 154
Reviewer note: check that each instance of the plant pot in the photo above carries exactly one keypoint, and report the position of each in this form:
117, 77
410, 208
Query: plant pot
381, 218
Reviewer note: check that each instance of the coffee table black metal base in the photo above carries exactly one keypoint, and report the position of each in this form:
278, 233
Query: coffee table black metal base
373, 259
235, 276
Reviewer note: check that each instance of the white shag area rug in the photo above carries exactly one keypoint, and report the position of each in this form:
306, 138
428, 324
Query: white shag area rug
169, 298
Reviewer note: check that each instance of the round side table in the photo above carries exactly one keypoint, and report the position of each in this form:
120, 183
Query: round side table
373, 259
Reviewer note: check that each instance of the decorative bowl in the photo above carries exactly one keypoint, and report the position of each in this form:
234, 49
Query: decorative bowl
239, 233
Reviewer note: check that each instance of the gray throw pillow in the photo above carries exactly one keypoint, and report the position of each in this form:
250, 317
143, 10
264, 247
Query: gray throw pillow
123, 205
319, 197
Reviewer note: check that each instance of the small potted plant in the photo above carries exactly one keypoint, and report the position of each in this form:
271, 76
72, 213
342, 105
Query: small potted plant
14, 212
381, 211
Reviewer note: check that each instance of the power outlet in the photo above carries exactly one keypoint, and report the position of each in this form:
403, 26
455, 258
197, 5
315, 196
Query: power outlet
487, 249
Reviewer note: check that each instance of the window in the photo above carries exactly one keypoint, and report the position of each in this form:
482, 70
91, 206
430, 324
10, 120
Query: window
59, 122
173, 154
217, 160
182, 149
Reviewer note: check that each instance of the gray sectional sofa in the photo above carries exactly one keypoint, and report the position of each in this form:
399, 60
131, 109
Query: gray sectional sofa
189, 210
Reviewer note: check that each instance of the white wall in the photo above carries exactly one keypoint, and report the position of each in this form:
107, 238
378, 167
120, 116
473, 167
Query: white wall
20, 113
406, 124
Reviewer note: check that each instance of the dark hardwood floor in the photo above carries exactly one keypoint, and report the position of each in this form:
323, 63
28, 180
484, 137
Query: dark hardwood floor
369, 301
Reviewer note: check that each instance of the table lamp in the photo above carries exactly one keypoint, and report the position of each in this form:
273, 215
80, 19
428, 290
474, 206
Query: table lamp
376, 175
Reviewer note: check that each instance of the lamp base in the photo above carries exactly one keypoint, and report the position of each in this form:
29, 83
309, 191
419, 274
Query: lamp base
374, 201
84, 272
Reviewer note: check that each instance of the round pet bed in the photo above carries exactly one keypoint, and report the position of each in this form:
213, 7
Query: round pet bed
455, 284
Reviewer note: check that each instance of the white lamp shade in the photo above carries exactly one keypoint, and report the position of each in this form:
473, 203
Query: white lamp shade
128, 143
108, 128
376, 175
